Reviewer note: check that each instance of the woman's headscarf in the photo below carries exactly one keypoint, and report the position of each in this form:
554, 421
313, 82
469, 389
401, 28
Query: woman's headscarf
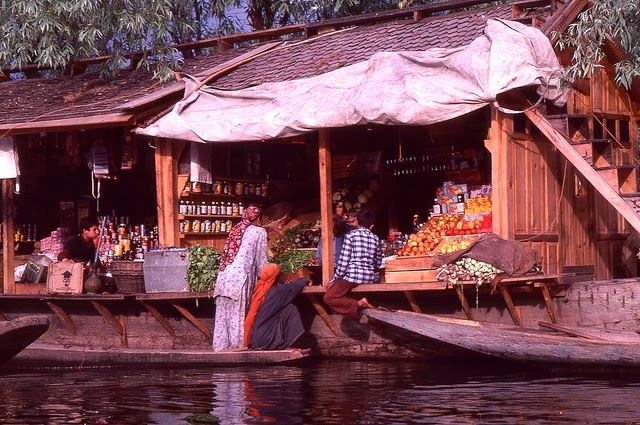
268, 275
234, 240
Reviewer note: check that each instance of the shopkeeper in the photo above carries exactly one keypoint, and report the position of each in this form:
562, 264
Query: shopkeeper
81, 248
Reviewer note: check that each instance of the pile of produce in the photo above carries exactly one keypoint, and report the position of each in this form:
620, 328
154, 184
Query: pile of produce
295, 247
356, 196
304, 235
202, 269
468, 269
427, 239
293, 260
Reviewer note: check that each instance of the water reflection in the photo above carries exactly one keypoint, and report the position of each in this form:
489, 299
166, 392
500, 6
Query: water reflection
329, 392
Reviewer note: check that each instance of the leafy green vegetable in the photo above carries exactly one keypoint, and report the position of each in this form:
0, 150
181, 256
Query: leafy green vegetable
292, 237
202, 269
293, 260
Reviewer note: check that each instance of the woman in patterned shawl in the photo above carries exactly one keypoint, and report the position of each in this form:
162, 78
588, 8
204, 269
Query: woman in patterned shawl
244, 254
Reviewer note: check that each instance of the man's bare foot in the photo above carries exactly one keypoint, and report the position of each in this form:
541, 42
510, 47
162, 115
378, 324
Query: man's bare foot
364, 303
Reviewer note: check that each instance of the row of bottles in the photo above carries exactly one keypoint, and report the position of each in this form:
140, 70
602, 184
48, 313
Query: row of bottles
226, 187
24, 232
210, 208
455, 160
205, 226
125, 241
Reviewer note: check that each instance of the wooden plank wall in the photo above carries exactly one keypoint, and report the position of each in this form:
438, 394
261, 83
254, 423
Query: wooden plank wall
592, 230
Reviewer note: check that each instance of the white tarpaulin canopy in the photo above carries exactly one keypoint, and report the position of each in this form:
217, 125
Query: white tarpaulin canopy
410, 87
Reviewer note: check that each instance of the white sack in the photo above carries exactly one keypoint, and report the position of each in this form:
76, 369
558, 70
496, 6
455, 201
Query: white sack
411, 87
8, 159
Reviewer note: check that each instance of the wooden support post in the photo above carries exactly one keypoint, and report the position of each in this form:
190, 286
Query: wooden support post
500, 147
323, 314
463, 300
412, 301
326, 206
155, 313
167, 156
8, 244
63, 315
549, 304
190, 317
515, 314
104, 312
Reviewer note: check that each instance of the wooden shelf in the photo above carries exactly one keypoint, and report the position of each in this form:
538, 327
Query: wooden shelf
205, 216
212, 234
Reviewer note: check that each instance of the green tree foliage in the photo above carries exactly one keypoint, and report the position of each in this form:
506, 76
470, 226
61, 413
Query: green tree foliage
54, 33
606, 19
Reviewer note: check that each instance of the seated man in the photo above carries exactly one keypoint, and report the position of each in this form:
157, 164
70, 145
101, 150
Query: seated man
360, 259
81, 248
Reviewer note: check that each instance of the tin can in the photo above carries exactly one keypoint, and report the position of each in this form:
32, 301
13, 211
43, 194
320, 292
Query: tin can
196, 187
216, 226
223, 226
239, 188
217, 187
207, 226
187, 226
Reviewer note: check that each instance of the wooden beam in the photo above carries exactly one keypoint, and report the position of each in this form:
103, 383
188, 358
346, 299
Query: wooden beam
64, 316
190, 317
322, 312
465, 304
549, 304
89, 122
166, 159
104, 312
515, 314
155, 313
326, 206
412, 301
8, 242
501, 173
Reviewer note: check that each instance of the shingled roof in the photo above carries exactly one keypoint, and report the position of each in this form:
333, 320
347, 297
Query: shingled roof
84, 101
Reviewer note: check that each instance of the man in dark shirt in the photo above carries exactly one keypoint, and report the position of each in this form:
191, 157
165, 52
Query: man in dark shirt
81, 248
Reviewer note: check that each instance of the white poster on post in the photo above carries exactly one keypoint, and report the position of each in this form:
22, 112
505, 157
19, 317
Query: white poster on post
8, 159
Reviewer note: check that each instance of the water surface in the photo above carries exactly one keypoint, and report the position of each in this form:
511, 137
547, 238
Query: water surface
325, 392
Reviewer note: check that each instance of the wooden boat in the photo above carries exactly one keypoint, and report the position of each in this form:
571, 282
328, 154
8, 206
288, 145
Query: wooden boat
550, 344
53, 354
19, 333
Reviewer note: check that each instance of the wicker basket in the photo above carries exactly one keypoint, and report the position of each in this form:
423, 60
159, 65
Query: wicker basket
128, 276
276, 216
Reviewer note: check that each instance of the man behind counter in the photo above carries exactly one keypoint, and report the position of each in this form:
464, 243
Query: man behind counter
81, 248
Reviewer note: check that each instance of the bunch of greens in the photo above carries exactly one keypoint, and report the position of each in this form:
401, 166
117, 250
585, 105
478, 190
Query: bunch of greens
202, 269
293, 260
291, 238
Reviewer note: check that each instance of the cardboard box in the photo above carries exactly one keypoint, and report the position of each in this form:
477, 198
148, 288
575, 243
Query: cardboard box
65, 278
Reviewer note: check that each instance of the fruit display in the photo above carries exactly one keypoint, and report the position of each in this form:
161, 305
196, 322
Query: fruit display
453, 246
432, 233
468, 269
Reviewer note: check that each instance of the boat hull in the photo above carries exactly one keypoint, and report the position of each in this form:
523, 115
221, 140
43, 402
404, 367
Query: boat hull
515, 343
19, 333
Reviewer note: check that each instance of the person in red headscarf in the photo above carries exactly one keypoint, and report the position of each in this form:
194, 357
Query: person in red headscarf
243, 256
